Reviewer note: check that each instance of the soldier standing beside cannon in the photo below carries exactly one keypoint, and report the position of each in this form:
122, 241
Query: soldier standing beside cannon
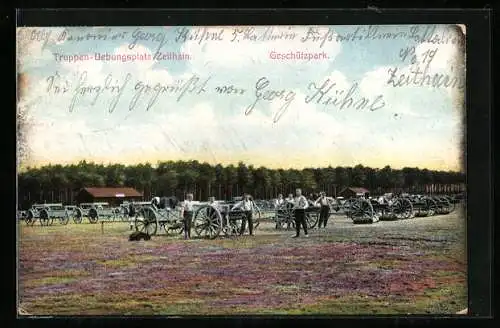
300, 204
279, 201
324, 213
247, 206
187, 213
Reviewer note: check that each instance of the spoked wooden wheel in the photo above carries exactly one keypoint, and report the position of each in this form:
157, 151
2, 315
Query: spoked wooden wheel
347, 207
231, 224
93, 215
44, 218
311, 219
443, 205
431, 206
452, 204
285, 224
146, 221
284, 215
175, 228
65, 219
30, 218
402, 209
207, 222
78, 215
362, 211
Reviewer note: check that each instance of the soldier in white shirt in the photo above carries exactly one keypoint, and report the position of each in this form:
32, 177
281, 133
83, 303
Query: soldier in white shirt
300, 204
155, 201
324, 203
187, 213
247, 206
279, 201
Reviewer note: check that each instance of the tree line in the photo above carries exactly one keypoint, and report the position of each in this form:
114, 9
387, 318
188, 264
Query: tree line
61, 183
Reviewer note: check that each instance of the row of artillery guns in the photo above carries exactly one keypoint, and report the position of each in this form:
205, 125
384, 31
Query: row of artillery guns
390, 207
48, 214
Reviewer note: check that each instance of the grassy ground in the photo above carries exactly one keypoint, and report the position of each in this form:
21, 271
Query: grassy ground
415, 266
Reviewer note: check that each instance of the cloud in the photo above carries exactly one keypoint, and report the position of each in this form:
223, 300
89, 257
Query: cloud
248, 57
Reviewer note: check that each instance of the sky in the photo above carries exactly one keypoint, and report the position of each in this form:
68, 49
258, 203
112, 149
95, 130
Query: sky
412, 125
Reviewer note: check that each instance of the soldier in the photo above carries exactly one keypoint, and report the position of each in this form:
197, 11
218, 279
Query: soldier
211, 212
155, 201
324, 213
131, 214
187, 214
279, 201
300, 205
248, 206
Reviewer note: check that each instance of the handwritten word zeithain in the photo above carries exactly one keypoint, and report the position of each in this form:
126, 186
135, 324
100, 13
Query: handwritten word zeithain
418, 73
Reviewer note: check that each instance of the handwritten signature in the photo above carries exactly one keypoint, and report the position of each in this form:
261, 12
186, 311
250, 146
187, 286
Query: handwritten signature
326, 93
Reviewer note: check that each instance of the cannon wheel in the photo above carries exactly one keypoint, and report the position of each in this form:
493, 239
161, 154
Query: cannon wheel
284, 214
93, 215
77, 215
234, 226
65, 219
30, 218
347, 207
312, 219
431, 206
44, 217
176, 228
207, 222
448, 208
444, 206
362, 211
281, 224
453, 205
146, 221
402, 209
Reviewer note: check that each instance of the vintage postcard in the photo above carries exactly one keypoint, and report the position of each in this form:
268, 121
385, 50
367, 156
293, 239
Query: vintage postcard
241, 170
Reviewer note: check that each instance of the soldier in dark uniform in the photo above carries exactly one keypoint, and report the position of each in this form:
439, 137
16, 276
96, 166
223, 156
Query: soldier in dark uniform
247, 206
131, 215
300, 204
187, 214
324, 209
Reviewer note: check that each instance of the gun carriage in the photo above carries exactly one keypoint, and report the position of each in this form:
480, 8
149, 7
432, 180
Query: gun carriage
284, 215
388, 208
363, 210
95, 211
445, 204
150, 217
423, 205
212, 219
46, 214
209, 219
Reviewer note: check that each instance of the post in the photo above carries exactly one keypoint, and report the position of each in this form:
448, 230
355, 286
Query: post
102, 227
